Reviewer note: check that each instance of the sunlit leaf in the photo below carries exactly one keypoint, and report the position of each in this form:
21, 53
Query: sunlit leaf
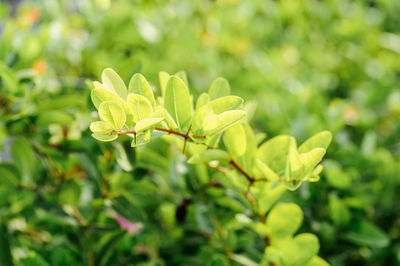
219, 88
140, 105
178, 102
113, 82
139, 85
113, 114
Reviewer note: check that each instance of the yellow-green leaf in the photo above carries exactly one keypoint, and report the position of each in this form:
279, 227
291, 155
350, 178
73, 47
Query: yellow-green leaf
147, 123
139, 85
320, 140
178, 102
235, 140
113, 114
219, 88
140, 106
113, 82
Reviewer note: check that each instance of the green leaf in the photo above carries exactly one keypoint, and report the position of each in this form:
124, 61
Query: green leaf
139, 85
24, 159
102, 95
209, 155
275, 151
113, 114
266, 171
162, 112
100, 127
178, 102
312, 158
268, 196
147, 123
364, 233
235, 140
163, 77
54, 117
5, 247
219, 88
317, 261
202, 100
223, 104
113, 82
103, 137
284, 220
294, 165
182, 75
140, 106
339, 212
215, 124
320, 140
70, 193
307, 247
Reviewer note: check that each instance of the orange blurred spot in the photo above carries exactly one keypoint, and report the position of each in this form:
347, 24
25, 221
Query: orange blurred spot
32, 15
40, 67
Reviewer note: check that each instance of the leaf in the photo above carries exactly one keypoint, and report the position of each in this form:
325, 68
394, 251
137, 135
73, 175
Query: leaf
54, 117
312, 158
162, 112
107, 246
182, 75
284, 220
339, 212
320, 140
140, 106
113, 82
147, 123
139, 85
294, 165
202, 100
209, 155
102, 95
274, 152
219, 88
223, 104
103, 137
317, 261
70, 193
215, 124
266, 171
269, 196
235, 140
5, 247
113, 114
364, 233
307, 247
178, 102
24, 159
163, 77
100, 127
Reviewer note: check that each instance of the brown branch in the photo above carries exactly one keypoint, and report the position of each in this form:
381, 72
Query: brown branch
242, 171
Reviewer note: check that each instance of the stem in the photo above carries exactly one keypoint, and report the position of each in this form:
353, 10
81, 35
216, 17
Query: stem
242, 171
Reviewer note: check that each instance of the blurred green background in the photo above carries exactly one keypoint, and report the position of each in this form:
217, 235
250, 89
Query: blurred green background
304, 66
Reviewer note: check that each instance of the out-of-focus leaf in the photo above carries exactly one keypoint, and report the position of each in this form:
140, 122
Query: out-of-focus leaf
284, 220
24, 159
364, 233
320, 140
209, 155
219, 88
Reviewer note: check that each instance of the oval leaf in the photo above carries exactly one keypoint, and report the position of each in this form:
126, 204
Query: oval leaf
113, 114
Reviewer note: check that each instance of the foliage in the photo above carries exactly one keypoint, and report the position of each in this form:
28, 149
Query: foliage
302, 66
